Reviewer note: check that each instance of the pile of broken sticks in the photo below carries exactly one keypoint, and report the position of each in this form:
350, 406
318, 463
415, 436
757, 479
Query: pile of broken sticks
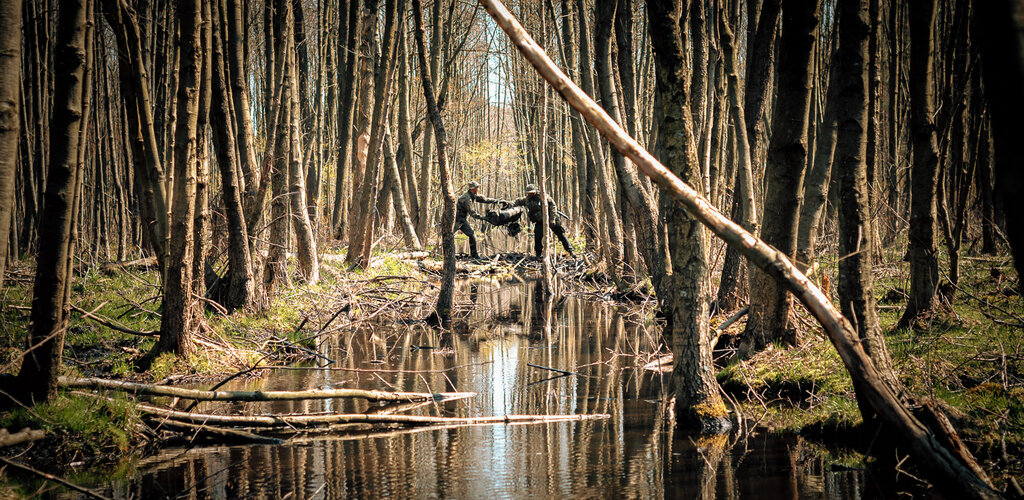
275, 428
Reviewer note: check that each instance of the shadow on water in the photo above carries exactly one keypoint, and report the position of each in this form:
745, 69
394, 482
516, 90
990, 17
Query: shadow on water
500, 333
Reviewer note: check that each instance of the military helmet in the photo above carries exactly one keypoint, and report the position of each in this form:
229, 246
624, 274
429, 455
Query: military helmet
474, 184
532, 189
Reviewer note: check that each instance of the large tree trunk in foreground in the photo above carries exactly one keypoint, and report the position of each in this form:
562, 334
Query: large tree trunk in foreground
923, 250
443, 309
941, 465
770, 318
37, 380
10, 118
179, 317
856, 282
698, 402
1002, 37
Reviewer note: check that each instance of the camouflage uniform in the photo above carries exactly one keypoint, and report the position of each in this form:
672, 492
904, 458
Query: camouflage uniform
464, 208
534, 208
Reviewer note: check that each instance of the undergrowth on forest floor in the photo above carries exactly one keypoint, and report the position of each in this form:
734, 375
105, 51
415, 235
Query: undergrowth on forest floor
969, 357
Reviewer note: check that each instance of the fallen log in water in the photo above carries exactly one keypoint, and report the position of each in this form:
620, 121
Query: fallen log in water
303, 420
201, 395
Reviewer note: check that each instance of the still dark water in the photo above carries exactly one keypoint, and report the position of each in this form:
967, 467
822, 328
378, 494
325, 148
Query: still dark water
634, 454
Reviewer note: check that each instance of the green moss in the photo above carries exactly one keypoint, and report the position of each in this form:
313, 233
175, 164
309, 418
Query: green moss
78, 423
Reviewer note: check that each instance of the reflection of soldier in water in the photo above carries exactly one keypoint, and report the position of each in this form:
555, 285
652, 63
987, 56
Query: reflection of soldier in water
540, 316
464, 208
534, 206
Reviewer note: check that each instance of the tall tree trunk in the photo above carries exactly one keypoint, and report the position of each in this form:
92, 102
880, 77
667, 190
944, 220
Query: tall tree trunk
856, 282
179, 318
771, 305
604, 185
37, 380
240, 292
369, 217
345, 121
275, 269
238, 71
820, 174
923, 250
698, 402
756, 99
1001, 25
363, 124
443, 309
201, 222
139, 109
644, 210
10, 119
305, 247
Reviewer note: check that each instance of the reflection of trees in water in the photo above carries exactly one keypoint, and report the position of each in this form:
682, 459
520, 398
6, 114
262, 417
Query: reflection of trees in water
637, 453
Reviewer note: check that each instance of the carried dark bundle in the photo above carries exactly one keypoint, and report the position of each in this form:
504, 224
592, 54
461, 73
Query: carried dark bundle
507, 218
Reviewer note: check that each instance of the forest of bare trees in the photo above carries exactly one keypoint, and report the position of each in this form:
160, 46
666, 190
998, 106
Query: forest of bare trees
240, 145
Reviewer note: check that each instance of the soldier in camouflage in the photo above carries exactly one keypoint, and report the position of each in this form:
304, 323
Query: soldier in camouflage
464, 208
534, 207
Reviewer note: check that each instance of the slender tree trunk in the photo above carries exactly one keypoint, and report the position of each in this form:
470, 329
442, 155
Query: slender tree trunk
443, 309
756, 99
235, 67
345, 113
10, 120
37, 380
923, 249
275, 270
363, 124
856, 282
240, 292
305, 249
604, 185
201, 221
770, 317
369, 217
698, 402
179, 319
401, 208
820, 174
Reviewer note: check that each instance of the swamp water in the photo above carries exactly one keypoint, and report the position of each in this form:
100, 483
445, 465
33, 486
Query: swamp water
500, 333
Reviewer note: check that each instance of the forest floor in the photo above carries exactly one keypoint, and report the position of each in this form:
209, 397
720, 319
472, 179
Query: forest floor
970, 357
969, 360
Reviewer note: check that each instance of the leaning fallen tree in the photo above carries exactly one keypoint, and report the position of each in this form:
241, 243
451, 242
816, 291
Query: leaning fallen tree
943, 466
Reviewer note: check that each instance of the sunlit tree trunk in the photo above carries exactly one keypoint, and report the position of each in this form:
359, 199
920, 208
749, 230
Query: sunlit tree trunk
179, 319
756, 99
443, 308
345, 111
305, 248
856, 282
240, 292
698, 403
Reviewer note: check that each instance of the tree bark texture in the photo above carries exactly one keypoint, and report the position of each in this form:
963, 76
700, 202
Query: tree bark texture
770, 318
37, 379
10, 118
698, 402
923, 250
